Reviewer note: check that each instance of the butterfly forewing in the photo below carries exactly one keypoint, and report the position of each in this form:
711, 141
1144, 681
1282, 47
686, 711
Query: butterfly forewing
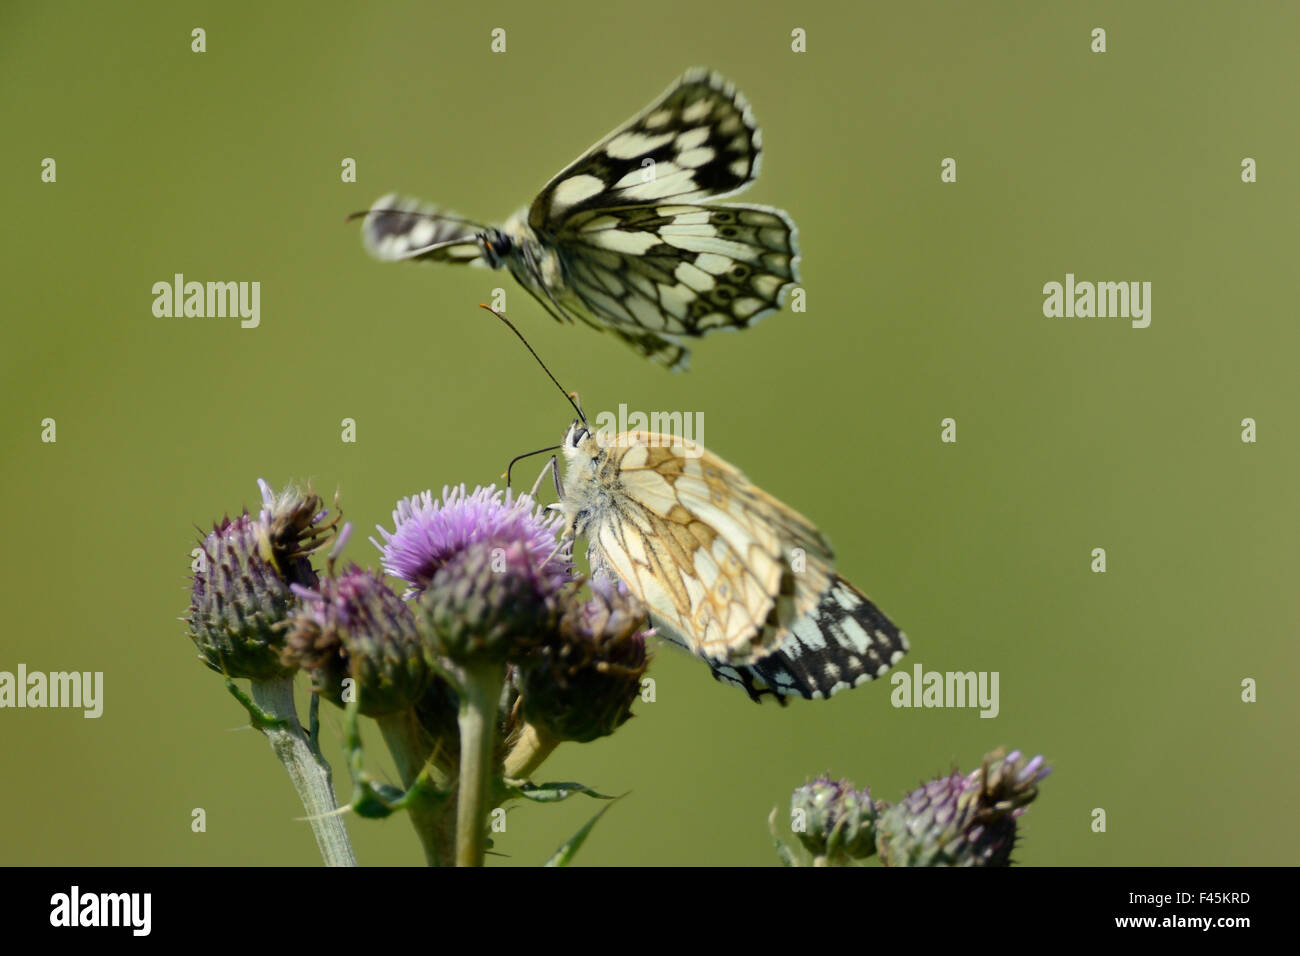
698, 140
707, 570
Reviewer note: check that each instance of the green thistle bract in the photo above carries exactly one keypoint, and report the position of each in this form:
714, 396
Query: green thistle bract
838, 822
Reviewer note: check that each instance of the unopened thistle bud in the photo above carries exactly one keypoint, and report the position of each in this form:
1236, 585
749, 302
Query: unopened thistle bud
834, 821
239, 603
584, 680
962, 820
241, 595
354, 627
485, 603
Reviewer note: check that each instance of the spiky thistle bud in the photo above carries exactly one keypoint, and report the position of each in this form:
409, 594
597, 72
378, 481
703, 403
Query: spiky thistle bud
242, 589
962, 820
583, 682
353, 626
834, 821
239, 603
486, 603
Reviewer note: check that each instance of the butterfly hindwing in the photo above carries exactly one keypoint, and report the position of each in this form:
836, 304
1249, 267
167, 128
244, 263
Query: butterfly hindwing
843, 643
681, 270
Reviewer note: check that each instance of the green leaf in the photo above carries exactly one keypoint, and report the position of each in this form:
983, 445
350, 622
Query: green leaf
553, 792
259, 718
564, 855
375, 801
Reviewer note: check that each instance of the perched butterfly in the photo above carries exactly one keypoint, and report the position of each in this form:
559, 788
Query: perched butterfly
727, 571
617, 239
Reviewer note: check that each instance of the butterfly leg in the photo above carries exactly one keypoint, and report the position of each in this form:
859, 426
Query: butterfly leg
551, 467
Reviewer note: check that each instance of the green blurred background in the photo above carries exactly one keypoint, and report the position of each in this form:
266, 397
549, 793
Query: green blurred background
924, 301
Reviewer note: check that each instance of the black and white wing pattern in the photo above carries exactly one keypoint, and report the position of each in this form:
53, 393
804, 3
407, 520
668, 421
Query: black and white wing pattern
638, 250
622, 239
674, 271
843, 643
697, 141
401, 228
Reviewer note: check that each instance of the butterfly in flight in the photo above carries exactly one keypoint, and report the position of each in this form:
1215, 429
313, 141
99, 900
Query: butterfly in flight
619, 240
726, 570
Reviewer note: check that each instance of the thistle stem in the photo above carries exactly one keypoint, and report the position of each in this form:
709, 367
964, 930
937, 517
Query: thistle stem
480, 692
309, 773
529, 752
411, 750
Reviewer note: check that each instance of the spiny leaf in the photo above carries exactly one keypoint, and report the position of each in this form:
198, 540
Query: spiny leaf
564, 855
553, 792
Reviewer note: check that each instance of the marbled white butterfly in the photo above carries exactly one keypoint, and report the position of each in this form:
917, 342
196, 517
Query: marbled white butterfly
727, 571
617, 239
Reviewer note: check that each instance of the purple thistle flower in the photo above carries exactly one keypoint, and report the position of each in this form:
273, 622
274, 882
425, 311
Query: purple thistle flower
428, 533
486, 566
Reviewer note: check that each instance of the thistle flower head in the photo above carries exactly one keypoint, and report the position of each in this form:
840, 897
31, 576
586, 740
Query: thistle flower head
353, 626
585, 679
487, 602
242, 590
834, 821
962, 820
239, 603
429, 532
485, 569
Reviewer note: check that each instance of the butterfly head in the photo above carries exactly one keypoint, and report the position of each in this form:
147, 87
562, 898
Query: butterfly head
496, 247
577, 438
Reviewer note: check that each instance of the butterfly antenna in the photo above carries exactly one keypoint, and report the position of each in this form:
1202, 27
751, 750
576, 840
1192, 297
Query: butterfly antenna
528, 454
568, 396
